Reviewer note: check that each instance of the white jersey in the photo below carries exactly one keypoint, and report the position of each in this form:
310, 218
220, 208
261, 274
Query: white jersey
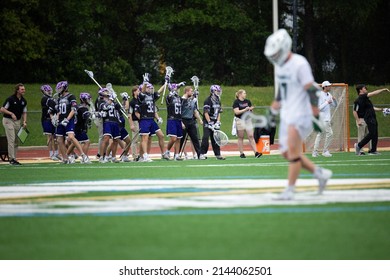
324, 105
292, 78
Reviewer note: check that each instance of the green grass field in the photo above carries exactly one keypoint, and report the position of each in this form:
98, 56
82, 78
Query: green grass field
311, 227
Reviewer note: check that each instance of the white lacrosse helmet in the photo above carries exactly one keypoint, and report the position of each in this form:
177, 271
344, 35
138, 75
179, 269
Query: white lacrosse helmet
277, 47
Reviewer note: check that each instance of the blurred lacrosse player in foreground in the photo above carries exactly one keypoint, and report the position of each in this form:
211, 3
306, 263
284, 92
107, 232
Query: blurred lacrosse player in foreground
297, 101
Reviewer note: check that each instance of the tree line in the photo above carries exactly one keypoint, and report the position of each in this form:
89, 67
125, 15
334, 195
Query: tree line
220, 41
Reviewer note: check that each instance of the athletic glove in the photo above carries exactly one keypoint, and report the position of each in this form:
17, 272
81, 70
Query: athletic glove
160, 120
271, 118
54, 121
103, 114
217, 126
146, 77
181, 84
65, 122
386, 112
318, 124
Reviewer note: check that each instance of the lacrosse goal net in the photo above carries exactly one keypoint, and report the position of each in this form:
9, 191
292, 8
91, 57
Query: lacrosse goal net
339, 121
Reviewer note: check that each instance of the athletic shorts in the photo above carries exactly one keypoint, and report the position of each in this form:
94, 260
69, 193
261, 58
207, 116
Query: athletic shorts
48, 128
304, 126
174, 128
124, 133
62, 131
111, 129
82, 136
148, 127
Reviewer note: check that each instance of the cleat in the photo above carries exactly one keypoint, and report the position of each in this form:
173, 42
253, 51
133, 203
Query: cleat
323, 175
287, 194
71, 159
257, 155
220, 158
327, 154
374, 153
202, 157
85, 159
165, 155
125, 159
242, 155
14, 162
103, 160
357, 149
314, 154
179, 158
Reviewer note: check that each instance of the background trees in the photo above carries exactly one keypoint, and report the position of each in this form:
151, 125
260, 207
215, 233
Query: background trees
220, 41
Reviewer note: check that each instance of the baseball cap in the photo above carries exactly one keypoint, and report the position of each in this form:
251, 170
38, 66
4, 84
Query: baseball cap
326, 84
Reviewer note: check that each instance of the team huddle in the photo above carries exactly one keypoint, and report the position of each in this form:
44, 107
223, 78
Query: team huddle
65, 122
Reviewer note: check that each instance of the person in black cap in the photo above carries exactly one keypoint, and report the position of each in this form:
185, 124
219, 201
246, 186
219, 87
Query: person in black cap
364, 106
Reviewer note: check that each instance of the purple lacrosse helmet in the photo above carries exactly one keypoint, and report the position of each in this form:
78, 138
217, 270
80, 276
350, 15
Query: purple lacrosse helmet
47, 90
103, 92
172, 87
216, 89
85, 97
62, 86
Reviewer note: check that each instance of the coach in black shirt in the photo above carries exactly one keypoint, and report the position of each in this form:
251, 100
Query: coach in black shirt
14, 109
364, 105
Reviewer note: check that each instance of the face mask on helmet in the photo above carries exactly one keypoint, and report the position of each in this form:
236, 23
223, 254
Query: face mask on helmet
278, 47
149, 88
47, 90
62, 87
216, 90
172, 87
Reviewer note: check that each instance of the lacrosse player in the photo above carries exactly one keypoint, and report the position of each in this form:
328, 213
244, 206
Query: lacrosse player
99, 121
48, 128
65, 122
190, 114
174, 125
82, 123
325, 102
298, 104
363, 103
109, 112
146, 112
211, 119
242, 105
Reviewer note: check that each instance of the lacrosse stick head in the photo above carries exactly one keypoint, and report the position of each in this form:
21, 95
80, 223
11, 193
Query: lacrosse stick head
47, 90
195, 81
62, 86
89, 73
110, 88
220, 138
249, 121
169, 71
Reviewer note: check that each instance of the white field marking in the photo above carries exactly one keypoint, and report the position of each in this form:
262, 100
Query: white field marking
201, 202
50, 189
181, 199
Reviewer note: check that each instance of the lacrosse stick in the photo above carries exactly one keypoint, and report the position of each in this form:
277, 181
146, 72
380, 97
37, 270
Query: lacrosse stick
112, 91
90, 74
168, 72
250, 120
195, 81
220, 137
128, 145
184, 145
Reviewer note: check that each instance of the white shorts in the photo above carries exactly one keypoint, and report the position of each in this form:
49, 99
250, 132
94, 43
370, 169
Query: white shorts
304, 126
